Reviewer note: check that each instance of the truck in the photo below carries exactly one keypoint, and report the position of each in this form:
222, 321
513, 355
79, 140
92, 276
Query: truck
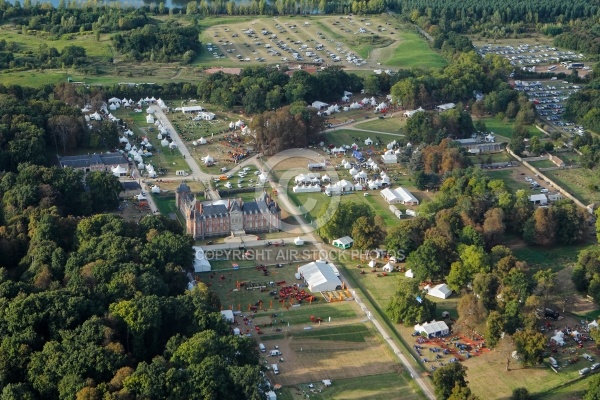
275, 369
575, 66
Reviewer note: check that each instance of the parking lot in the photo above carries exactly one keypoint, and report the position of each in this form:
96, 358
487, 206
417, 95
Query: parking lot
549, 98
530, 55
315, 41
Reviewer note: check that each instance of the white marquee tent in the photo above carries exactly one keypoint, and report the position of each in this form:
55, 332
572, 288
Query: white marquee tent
201, 264
441, 291
319, 276
433, 328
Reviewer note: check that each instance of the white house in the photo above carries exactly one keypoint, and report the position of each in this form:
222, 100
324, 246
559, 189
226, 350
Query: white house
319, 276
441, 291
433, 328
399, 195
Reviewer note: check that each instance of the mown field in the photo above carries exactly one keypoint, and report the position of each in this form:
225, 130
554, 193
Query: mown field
580, 182
505, 128
389, 125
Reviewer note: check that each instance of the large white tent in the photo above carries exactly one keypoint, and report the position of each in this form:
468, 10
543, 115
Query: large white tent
593, 325
559, 338
433, 328
441, 291
201, 264
319, 276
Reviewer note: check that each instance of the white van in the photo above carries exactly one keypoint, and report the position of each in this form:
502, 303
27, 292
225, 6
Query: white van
275, 369
553, 362
262, 347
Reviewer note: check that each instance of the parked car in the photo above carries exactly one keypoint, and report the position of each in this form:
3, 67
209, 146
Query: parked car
588, 357
595, 366
584, 371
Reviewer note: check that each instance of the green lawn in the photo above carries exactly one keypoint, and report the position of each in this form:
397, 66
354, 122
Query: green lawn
391, 125
573, 391
413, 52
343, 136
569, 157
505, 129
580, 182
510, 180
491, 158
390, 386
542, 164
347, 333
167, 207
555, 258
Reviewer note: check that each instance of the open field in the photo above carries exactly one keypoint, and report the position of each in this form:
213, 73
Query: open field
580, 182
391, 125
412, 52
377, 39
554, 258
330, 352
489, 158
542, 164
505, 129
511, 177
345, 136
569, 157
392, 386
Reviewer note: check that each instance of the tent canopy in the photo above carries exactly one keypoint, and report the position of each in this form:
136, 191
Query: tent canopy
319, 276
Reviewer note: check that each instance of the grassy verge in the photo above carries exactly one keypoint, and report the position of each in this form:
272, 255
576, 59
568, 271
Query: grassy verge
390, 125
347, 333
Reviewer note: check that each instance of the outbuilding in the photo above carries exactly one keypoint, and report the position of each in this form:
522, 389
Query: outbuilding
539, 199
344, 242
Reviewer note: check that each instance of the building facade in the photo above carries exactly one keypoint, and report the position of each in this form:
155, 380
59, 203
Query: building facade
227, 217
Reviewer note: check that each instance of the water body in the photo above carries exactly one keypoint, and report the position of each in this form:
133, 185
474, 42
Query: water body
134, 3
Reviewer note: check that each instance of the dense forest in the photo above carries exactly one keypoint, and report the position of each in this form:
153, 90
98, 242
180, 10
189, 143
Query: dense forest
92, 306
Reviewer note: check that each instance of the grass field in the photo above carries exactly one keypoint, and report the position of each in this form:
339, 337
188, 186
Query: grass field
505, 129
494, 158
555, 258
343, 136
390, 125
581, 183
510, 176
167, 207
391, 386
542, 164
412, 52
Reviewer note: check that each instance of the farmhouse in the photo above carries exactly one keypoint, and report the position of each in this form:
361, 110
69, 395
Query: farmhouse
399, 195
539, 199
433, 328
319, 276
344, 242
441, 291
95, 162
225, 217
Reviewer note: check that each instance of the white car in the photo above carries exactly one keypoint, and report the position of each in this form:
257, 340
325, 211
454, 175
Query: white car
228, 185
544, 190
584, 371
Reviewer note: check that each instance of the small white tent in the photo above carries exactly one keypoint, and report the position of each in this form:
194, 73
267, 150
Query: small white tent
593, 325
372, 264
201, 264
298, 241
409, 274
